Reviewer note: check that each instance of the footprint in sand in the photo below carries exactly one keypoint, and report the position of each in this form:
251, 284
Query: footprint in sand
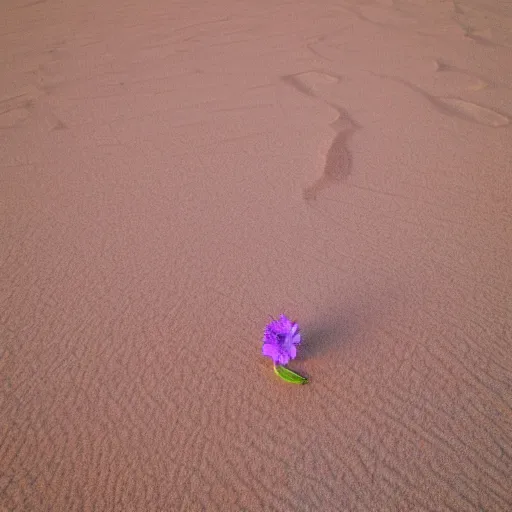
27, 102
486, 26
473, 112
479, 84
309, 82
456, 107
338, 160
15, 108
338, 164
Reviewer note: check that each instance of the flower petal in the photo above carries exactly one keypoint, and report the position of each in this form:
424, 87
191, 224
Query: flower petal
274, 328
285, 322
283, 358
280, 340
269, 337
271, 351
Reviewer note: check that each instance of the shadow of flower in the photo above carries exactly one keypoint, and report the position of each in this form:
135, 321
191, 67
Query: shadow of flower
327, 335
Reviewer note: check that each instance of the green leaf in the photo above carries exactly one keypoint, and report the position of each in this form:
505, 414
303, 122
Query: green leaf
289, 376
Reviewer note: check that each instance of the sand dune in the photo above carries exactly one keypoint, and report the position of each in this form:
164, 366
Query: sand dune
171, 173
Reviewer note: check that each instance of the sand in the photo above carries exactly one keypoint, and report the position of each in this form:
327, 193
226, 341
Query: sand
172, 173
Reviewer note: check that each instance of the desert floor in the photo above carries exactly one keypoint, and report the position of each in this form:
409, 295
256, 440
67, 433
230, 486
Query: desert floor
174, 172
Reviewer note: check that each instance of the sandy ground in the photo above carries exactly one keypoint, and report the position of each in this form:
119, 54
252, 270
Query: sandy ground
174, 172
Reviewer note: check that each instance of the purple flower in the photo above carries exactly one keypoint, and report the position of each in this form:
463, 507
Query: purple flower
280, 339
